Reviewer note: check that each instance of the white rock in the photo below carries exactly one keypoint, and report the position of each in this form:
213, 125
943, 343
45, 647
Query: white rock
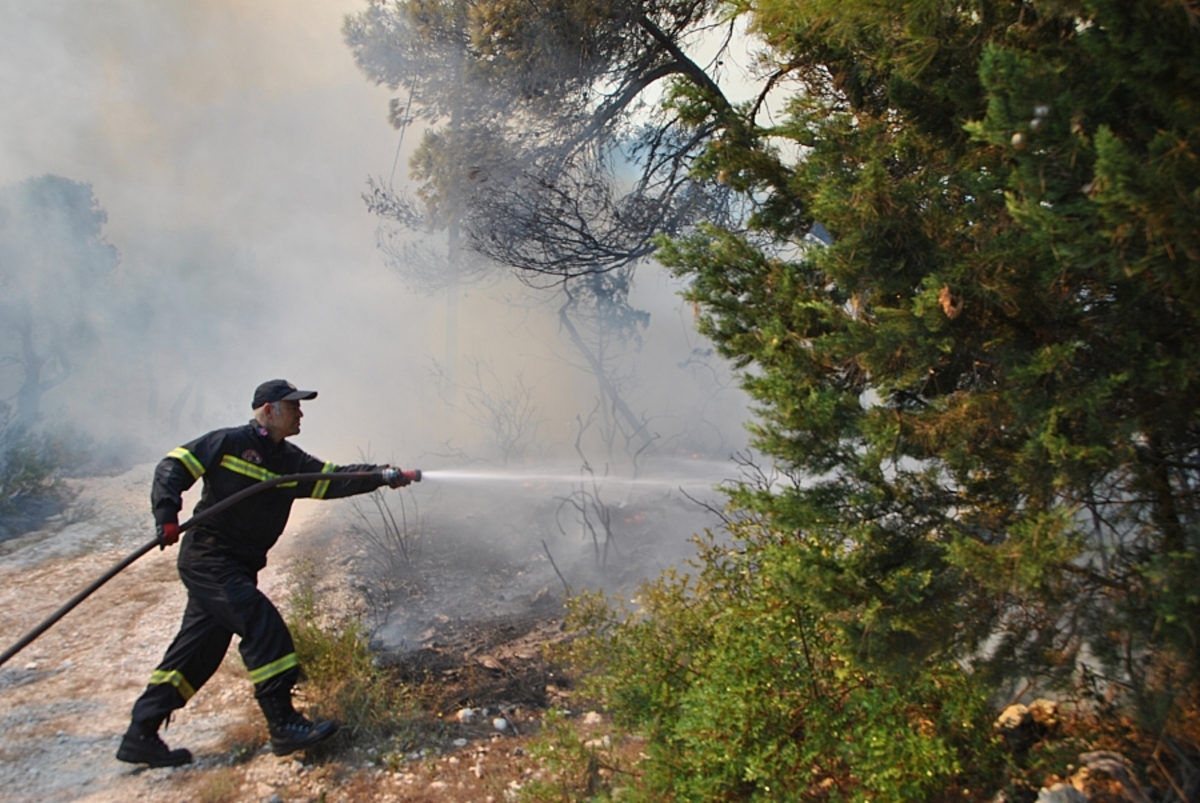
592, 718
1061, 793
500, 724
460, 742
466, 716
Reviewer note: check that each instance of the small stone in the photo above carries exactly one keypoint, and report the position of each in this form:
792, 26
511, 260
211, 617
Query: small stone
1045, 713
592, 718
32, 666
438, 785
1018, 141
500, 724
1012, 717
1061, 793
460, 742
466, 716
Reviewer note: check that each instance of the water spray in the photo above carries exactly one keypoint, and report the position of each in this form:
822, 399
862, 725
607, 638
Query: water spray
562, 478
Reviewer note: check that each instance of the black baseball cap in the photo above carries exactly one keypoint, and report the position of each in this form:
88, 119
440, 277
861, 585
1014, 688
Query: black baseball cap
274, 390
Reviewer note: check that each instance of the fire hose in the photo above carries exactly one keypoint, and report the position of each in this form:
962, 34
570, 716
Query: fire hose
413, 475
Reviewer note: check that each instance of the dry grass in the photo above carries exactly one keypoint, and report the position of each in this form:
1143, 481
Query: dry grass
218, 786
243, 739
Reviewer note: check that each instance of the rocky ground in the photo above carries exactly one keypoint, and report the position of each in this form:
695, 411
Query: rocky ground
64, 700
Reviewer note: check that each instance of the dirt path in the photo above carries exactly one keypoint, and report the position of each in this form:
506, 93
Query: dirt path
65, 700
468, 623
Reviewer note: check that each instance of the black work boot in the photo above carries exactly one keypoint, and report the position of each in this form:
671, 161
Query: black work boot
142, 745
290, 731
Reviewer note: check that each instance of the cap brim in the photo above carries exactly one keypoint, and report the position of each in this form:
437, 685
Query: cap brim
300, 395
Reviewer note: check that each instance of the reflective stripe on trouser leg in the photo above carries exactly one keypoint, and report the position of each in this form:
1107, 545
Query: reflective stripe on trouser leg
229, 591
175, 678
193, 657
264, 673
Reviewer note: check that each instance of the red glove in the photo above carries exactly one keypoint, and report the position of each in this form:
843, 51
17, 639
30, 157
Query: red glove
168, 534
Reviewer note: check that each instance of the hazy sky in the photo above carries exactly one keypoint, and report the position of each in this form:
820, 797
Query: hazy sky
229, 142
242, 130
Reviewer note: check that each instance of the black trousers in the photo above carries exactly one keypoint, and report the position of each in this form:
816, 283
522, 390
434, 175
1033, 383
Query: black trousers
223, 599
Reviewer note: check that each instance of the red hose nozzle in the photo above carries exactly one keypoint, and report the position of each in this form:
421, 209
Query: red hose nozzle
390, 476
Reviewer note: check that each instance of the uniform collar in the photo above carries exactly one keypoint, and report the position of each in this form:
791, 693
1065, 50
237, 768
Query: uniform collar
268, 444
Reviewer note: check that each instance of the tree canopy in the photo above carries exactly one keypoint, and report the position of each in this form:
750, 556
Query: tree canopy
52, 255
543, 140
984, 391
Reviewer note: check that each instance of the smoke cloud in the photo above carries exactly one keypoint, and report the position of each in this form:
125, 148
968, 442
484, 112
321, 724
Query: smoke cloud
226, 146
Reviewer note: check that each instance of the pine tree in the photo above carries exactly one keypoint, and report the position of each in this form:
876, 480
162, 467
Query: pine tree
987, 386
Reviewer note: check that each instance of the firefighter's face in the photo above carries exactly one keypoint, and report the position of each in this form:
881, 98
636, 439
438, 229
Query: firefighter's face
286, 417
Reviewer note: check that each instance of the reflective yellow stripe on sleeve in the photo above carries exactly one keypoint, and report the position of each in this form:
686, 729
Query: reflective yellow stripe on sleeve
175, 678
322, 486
194, 466
247, 469
274, 668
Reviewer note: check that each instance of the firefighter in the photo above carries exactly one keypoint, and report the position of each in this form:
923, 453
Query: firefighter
219, 561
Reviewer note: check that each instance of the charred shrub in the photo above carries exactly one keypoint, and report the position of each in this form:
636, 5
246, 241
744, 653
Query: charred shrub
32, 467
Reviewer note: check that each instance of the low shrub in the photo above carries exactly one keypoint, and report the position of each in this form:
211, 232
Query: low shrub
340, 679
32, 467
743, 693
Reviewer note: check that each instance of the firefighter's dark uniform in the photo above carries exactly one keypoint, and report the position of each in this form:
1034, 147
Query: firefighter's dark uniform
220, 558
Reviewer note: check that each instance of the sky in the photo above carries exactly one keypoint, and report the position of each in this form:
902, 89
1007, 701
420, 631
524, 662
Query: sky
229, 143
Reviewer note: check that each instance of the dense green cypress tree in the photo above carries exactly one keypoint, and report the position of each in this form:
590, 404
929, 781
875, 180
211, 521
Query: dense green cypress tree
987, 385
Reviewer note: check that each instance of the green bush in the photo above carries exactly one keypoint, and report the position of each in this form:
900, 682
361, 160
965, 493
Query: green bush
340, 676
744, 693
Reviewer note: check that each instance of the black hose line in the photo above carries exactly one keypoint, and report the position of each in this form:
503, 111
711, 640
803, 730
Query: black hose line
224, 504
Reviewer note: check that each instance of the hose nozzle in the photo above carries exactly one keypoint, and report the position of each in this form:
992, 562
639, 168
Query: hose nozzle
397, 477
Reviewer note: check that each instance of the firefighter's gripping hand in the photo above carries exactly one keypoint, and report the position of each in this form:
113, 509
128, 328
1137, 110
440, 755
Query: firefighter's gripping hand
395, 478
168, 534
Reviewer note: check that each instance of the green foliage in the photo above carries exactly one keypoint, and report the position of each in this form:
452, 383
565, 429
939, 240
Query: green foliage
576, 769
990, 376
340, 676
986, 390
745, 691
